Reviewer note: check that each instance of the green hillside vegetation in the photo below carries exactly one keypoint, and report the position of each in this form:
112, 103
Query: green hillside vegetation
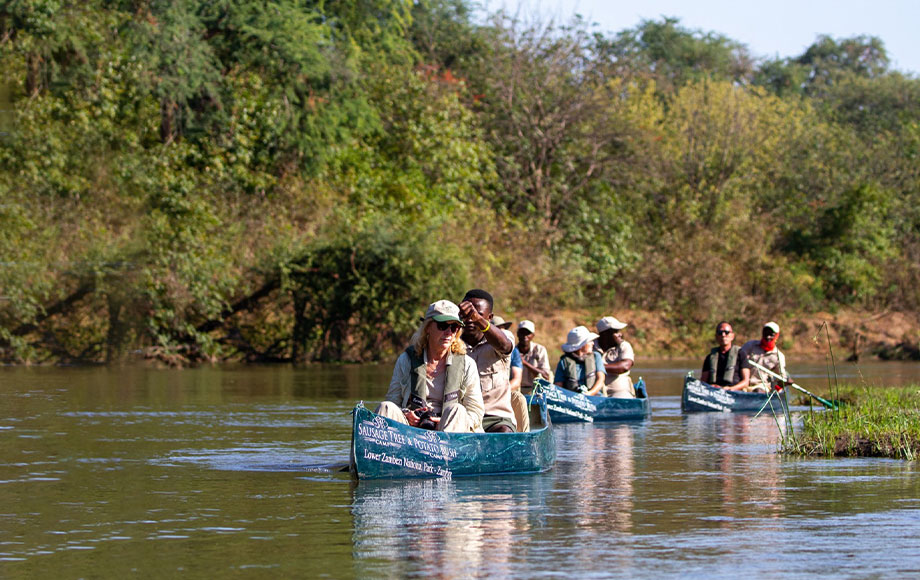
296, 180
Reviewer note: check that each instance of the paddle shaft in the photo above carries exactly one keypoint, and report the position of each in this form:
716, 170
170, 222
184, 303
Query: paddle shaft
824, 402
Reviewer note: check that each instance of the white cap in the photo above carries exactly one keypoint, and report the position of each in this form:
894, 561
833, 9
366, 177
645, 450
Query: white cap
578, 337
772, 326
442, 311
527, 325
499, 322
608, 322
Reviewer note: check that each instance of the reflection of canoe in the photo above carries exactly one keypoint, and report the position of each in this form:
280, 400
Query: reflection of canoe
700, 396
567, 406
383, 448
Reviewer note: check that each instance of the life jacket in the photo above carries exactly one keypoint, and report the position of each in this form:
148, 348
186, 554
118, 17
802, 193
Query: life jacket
728, 375
453, 381
570, 364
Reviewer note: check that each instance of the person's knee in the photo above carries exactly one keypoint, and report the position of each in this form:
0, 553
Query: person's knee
500, 428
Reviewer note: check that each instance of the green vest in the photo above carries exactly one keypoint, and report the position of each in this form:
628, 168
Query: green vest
454, 390
728, 375
570, 364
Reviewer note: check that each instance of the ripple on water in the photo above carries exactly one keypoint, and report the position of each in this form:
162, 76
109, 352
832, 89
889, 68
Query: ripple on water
284, 458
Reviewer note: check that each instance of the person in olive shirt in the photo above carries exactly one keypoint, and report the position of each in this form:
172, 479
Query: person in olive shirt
726, 365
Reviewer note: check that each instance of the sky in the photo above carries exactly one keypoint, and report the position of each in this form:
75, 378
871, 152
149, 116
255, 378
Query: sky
778, 28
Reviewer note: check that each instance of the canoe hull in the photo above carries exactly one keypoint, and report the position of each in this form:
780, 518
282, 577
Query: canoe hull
703, 397
382, 449
570, 407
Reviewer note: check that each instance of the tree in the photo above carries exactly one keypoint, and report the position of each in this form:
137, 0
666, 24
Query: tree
673, 55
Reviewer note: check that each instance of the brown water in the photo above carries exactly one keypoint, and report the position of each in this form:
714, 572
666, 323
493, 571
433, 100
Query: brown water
110, 473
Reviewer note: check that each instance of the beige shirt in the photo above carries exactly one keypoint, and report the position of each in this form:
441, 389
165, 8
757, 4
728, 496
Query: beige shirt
494, 378
616, 354
401, 386
538, 358
773, 360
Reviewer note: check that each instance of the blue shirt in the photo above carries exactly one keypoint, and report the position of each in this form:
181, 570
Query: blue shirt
516, 359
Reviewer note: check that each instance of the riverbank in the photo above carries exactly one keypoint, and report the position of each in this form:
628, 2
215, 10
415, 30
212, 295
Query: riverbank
850, 334
870, 422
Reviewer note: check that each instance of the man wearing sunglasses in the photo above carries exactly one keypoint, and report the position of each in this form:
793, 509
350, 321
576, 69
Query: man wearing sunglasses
726, 365
490, 347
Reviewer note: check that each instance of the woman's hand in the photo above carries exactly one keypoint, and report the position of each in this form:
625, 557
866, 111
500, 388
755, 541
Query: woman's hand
412, 416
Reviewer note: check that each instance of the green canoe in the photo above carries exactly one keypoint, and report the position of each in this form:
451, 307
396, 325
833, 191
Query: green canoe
383, 448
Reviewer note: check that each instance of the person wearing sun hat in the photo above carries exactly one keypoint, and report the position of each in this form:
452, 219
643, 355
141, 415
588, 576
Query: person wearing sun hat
765, 353
618, 358
580, 368
434, 384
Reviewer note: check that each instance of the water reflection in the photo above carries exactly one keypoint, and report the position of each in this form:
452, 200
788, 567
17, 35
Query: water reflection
443, 529
107, 472
735, 456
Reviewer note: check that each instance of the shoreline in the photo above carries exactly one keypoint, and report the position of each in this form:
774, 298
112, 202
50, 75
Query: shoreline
869, 421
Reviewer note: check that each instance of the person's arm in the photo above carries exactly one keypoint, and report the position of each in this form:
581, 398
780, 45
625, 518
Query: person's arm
599, 377
619, 367
543, 363
782, 368
745, 373
559, 376
517, 373
534, 369
500, 339
704, 374
494, 336
627, 359
472, 399
399, 383
745, 381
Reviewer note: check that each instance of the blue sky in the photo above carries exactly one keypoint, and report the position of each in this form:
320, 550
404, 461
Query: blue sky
777, 28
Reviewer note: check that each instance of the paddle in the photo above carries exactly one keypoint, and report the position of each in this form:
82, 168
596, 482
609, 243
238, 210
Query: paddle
824, 402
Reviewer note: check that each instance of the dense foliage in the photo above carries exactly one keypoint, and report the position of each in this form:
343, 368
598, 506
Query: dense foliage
296, 180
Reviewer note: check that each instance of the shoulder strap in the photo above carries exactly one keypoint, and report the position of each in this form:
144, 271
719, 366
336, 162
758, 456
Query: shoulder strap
418, 376
570, 364
731, 362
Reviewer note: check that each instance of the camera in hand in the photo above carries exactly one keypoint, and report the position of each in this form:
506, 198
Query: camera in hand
425, 415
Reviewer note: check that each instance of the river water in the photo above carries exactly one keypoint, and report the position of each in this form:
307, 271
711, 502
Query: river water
133, 472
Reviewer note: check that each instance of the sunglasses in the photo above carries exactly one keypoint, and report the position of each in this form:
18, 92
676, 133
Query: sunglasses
453, 326
723, 332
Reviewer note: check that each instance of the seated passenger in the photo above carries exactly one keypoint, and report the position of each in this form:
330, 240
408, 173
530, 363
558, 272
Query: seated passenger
726, 365
581, 368
765, 353
518, 400
533, 356
435, 385
490, 347
517, 367
618, 358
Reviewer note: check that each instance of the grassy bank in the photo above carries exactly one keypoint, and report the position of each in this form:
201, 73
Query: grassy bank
872, 422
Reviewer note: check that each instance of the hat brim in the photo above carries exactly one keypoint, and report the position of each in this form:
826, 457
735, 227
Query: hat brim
445, 318
573, 347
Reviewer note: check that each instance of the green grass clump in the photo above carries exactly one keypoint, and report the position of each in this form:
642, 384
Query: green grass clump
871, 422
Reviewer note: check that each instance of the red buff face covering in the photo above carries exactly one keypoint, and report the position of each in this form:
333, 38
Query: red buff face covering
770, 344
